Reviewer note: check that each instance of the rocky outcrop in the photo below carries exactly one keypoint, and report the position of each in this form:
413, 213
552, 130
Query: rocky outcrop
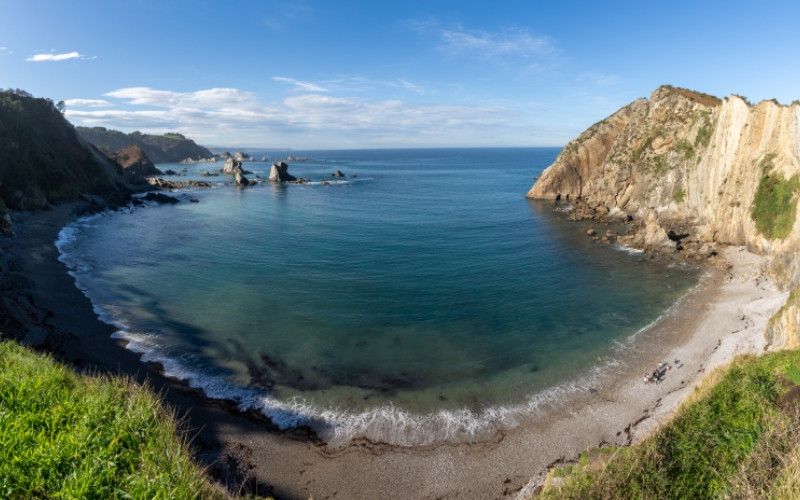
279, 172
135, 163
690, 173
233, 166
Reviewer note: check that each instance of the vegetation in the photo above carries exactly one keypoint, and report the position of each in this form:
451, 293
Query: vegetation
775, 205
64, 435
739, 438
685, 149
42, 161
679, 195
166, 148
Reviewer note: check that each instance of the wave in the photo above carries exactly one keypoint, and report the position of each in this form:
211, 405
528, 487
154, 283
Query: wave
387, 424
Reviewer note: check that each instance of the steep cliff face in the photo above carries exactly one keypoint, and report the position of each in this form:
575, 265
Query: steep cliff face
43, 161
692, 172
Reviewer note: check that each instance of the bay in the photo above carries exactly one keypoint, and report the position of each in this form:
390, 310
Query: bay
420, 298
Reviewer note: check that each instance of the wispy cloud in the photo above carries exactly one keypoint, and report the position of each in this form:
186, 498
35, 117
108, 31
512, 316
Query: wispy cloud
503, 43
87, 103
300, 85
310, 120
350, 84
57, 57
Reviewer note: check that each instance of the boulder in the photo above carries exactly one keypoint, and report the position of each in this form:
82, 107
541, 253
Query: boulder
338, 173
279, 172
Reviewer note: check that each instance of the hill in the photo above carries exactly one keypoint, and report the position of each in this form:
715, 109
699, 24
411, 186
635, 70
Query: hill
42, 159
167, 148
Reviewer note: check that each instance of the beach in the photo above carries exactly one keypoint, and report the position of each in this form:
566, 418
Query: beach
722, 317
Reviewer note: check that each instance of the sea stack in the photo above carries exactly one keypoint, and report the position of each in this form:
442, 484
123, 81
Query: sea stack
279, 172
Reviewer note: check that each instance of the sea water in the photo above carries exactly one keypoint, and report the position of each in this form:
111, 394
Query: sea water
420, 298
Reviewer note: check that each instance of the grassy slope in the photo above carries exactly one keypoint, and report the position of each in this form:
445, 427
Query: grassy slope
64, 435
738, 438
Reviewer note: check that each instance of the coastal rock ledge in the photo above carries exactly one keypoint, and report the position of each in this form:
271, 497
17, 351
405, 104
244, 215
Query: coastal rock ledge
689, 173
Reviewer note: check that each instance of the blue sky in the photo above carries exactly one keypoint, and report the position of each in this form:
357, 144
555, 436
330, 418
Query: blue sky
353, 74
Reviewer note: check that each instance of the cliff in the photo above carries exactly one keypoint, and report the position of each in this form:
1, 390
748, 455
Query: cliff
690, 172
135, 164
167, 148
43, 161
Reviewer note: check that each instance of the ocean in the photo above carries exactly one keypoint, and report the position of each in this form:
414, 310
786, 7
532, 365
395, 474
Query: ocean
419, 299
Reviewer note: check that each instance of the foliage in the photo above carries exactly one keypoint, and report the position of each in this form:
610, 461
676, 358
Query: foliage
166, 148
679, 195
685, 149
42, 161
64, 435
774, 207
740, 438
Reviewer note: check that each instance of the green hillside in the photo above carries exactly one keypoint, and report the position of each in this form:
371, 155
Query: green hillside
42, 160
167, 148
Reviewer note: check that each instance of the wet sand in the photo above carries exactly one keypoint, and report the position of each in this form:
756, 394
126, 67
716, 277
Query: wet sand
725, 315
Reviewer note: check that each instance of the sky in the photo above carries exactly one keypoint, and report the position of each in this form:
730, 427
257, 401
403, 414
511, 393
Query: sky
357, 74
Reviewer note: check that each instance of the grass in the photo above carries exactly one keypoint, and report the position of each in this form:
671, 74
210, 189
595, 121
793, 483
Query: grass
679, 195
738, 438
774, 207
64, 435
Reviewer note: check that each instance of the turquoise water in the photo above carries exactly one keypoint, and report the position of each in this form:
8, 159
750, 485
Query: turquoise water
423, 300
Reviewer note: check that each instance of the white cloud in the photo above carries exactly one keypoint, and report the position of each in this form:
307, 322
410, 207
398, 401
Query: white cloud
299, 85
232, 116
210, 98
55, 57
87, 103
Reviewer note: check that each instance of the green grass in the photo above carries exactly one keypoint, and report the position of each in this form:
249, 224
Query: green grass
64, 435
739, 438
774, 207
679, 195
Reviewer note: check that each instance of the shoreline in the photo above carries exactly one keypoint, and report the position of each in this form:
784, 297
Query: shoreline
723, 316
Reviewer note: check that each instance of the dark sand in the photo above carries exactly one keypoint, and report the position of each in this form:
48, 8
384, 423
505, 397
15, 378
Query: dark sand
725, 315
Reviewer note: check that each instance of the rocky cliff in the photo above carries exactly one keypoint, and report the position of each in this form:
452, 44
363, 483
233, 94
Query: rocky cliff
167, 148
690, 172
135, 163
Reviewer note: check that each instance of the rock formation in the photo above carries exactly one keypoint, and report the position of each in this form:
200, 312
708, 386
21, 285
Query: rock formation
134, 162
233, 167
279, 172
691, 172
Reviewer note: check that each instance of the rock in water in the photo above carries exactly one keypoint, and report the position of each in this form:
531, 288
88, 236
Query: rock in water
279, 172
232, 166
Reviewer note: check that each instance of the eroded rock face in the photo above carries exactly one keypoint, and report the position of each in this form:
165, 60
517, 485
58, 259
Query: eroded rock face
685, 168
279, 172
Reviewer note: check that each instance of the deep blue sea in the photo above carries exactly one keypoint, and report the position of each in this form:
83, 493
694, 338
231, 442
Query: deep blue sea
421, 298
